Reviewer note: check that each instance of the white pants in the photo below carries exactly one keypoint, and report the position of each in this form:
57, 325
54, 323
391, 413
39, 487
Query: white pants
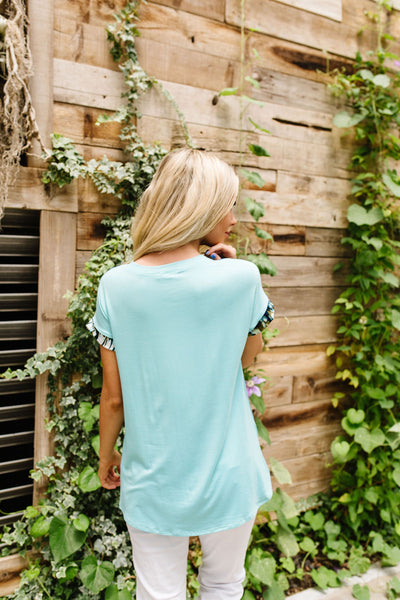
160, 563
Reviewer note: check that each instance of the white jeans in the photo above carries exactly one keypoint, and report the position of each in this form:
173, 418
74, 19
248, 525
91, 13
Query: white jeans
160, 563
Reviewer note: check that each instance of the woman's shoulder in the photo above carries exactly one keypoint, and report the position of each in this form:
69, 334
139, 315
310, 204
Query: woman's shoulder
114, 273
242, 267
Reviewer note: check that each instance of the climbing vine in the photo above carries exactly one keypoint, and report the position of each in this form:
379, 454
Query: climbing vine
366, 480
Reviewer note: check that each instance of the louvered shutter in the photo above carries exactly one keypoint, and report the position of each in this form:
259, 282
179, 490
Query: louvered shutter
19, 258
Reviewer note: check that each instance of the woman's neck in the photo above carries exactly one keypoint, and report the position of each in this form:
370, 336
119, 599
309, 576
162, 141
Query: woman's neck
169, 256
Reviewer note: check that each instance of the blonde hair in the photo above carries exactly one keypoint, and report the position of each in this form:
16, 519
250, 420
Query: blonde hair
191, 192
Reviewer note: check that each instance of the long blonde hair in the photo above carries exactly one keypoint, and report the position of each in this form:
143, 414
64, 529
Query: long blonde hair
191, 191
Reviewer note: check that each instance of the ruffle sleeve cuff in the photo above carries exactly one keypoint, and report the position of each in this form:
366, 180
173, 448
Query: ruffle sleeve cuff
103, 340
265, 320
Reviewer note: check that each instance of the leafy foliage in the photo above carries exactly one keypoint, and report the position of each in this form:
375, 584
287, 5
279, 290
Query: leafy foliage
365, 484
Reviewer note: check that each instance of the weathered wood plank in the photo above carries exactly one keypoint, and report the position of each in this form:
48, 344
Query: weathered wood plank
81, 42
305, 271
89, 11
90, 232
299, 209
76, 83
301, 441
309, 488
307, 414
304, 301
286, 154
189, 31
289, 23
81, 258
278, 390
198, 69
213, 9
291, 90
41, 42
294, 360
79, 124
304, 330
28, 191
317, 386
328, 8
305, 470
288, 240
325, 242
56, 277
87, 85
331, 188
91, 200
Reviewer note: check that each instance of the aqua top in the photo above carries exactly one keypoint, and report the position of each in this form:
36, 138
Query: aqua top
191, 460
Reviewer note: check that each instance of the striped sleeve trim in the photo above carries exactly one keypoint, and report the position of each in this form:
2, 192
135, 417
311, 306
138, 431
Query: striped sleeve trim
103, 340
265, 320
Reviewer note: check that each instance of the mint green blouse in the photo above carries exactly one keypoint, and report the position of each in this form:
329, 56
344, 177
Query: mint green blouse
191, 460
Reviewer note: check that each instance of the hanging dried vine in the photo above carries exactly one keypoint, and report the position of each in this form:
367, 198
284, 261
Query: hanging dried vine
17, 116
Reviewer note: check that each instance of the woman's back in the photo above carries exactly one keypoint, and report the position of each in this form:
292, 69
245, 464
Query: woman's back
179, 331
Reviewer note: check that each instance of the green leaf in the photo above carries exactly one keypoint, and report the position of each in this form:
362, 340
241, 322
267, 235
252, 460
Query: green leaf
389, 278
257, 126
256, 209
340, 450
358, 563
393, 187
325, 578
264, 264
262, 566
253, 82
274, 592
369, 440
280, 472
258, 403
258, 150
366, 74
263, 235
287, 543
343, 119
253, 177
308, 545
381, 80
82, 522
355, 417
253, 101
360, 593
95, 443
396, 475
40, 527
315, 520
113, 593
360, 216
288, 564
88, 480
64, 538
232, 91
391, 556
262, 431
96, 576
395, 318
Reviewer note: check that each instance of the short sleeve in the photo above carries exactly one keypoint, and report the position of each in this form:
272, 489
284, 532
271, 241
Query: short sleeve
100, 325
263, 310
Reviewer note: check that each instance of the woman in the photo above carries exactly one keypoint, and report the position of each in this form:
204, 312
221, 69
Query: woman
175, 329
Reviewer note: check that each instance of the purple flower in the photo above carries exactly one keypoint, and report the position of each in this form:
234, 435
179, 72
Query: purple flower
252, 386
397, 63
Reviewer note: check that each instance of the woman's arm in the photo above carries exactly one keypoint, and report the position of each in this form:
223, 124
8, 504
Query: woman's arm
254, 346
111, 420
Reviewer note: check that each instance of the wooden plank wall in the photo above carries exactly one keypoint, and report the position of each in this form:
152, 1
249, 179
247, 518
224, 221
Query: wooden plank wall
194, 49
